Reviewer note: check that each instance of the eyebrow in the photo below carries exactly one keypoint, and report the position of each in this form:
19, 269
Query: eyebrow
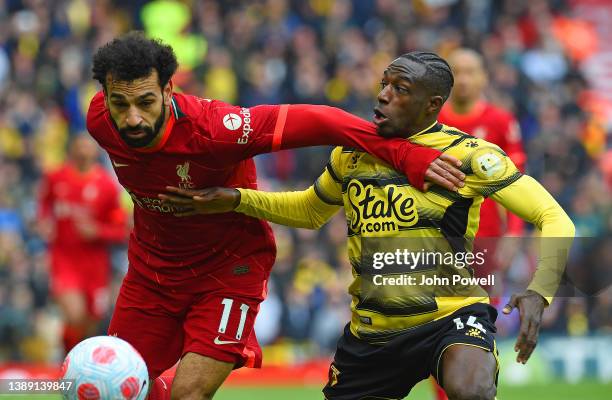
400, 75
141, 97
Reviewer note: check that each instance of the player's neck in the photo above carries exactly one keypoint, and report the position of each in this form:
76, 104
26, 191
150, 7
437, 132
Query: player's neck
82, 167
425, 126
463, 107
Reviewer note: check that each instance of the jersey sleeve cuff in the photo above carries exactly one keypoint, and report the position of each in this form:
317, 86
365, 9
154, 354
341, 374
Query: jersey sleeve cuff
243, 200
540, 290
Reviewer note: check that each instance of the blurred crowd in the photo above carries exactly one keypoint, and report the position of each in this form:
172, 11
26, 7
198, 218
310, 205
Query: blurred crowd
292, 51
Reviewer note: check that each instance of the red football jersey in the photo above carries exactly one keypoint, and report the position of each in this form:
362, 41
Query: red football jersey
497, 126
209, 143
69, 197
173, 250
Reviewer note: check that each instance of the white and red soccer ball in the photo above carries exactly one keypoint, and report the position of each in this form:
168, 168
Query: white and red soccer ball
105, 368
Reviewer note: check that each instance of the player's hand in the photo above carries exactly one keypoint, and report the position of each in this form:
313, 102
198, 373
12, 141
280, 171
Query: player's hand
206, 201
531, 306
87, 229
444, 171
84, 224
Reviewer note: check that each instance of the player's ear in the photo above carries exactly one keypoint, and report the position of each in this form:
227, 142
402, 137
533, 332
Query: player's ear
167, 92
435, 104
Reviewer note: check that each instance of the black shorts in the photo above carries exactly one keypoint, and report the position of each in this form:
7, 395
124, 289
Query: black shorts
367, 371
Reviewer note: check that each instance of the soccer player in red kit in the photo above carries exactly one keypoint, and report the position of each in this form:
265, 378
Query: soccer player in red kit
80, 216
194, 286
468, 111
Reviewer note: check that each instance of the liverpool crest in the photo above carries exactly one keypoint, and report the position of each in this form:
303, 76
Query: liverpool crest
182, 170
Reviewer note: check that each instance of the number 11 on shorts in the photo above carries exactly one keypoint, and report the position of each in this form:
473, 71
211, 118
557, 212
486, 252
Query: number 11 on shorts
227, 309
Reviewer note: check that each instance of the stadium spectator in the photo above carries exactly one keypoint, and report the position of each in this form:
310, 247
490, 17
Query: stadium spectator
468, 111
265, 48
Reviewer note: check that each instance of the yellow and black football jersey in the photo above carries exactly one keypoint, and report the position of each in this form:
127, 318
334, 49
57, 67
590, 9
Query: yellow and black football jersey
385, 213
388, 219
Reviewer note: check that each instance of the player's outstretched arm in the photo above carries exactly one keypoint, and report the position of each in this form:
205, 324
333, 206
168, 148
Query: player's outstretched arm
302, 209
273, 128
308, 125
309, 208
530, 201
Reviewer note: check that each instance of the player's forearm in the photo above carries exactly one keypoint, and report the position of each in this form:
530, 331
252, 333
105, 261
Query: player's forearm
113, 228
297, 209
308, 125
555, 243
556, 239
529, 200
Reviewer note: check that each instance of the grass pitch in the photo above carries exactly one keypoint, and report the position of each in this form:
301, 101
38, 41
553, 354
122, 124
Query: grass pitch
587, 390
555, 391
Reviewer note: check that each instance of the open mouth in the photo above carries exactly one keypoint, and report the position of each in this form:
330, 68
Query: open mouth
379, 117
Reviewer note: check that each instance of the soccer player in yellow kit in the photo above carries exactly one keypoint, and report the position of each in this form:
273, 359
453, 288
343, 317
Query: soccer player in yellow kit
398, 336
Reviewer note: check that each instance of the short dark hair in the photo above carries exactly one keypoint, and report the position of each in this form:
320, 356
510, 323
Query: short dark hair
133, 56
439, 77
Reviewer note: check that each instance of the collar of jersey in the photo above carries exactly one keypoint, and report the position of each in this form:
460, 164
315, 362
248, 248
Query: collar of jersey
166, 135
431, 128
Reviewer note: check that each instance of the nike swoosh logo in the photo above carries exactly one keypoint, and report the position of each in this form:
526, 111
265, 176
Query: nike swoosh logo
119, 165
221, 342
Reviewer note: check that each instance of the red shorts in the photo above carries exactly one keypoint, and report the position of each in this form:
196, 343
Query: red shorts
90, 278
164, 323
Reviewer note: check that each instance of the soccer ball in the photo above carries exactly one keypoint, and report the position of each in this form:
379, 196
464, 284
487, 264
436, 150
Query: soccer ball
105, 368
